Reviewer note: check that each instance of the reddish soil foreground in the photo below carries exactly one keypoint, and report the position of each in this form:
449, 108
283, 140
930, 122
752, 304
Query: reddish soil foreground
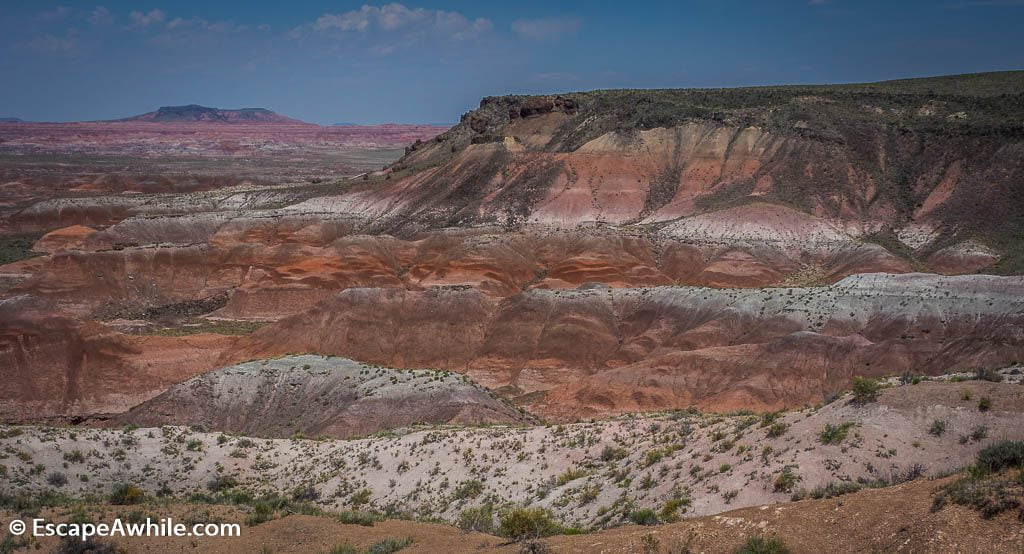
860, 521
896, 518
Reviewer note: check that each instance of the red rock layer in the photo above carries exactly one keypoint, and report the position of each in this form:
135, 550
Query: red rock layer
582, 353
277, 266
52, 364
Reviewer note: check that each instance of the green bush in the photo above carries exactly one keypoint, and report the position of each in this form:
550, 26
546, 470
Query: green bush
469, 489
830, 490
352, 517
985, 404
569, 476
990, 495
777, 429
611, 453
389, 545
75, 457
670, 511
1001, 455
763, 545
221, 483
528, 523
126, 494
360, 498
785, 481
645, 516
938, 428
834, 434
865, 390
480, 519
262, 512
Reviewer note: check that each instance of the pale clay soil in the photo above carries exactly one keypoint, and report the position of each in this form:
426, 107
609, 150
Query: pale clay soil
717, 462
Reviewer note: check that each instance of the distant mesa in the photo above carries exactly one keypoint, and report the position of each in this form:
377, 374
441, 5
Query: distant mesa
195, 112
11, 120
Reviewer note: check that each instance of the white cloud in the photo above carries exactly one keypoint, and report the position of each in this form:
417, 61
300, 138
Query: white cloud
146, 19
398, 19
200, 24
547, 28
101, 16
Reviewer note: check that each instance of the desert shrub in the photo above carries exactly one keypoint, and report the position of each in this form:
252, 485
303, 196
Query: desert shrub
262, 512
777, 429
1001, 455
305, 494
645, 516
528, 523
990, 495
830, 490
75, 457
344, 549
985, 404
57, 479
360, 498
653, 457
126, 494
785, 481
570, 475
762, 545
611, 453
352, 517
11, 433
389, 545
865, 390
670, 511
221, 483
938, 428
990, 375
469, 489
898, 476
650, 544
589, 494
480, 519
834, 434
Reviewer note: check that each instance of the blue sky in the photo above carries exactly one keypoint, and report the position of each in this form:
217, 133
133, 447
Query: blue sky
332, 61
